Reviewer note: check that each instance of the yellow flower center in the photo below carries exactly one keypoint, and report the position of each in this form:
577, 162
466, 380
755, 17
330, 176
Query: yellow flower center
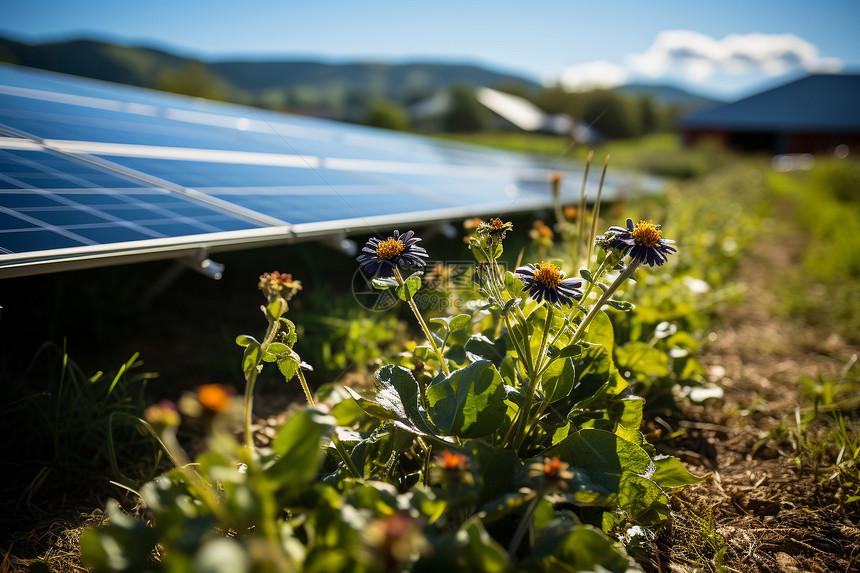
646, 234
548, 275
389, 248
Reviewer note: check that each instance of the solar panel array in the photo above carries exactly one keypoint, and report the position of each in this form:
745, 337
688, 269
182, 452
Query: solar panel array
92, 172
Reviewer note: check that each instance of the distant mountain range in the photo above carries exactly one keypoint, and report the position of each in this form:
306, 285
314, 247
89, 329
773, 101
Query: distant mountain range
281, 84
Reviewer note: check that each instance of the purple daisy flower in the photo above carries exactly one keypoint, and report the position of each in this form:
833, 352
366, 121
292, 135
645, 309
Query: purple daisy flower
395, 251
644, 241
545, 281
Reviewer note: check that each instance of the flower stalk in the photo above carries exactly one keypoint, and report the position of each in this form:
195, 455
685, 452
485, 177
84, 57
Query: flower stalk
423, 324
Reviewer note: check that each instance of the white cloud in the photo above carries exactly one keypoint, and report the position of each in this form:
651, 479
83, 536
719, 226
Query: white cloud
593, 75
699, 56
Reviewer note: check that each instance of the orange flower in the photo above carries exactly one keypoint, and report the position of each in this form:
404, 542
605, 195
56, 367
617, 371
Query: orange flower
214, 397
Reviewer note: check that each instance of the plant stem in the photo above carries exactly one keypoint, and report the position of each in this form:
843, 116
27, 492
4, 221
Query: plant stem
596, 213
338, 445
307, 390
524, 524
625, 274
523, 414
271, 332
249, 404
580, 223
347, 461
424, 327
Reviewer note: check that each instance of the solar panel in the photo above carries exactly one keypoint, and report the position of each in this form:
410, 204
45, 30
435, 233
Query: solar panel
94, 173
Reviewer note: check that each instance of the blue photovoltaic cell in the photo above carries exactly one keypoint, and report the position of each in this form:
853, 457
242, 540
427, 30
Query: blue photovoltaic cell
50, 201
89, 163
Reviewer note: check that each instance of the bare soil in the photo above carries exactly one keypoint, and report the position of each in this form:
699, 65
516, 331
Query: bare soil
769, 516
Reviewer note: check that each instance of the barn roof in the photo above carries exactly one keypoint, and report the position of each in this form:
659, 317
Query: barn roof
822, 102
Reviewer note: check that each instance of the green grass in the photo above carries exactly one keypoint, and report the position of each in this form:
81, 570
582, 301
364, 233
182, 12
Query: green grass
660, 154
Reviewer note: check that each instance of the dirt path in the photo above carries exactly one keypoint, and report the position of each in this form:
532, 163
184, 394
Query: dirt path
757, 514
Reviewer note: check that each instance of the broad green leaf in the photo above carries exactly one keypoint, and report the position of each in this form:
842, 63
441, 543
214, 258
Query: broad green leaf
642, 358
123, 541
396, 399
269, 357
278, 348
497, 467
251, 358
481, 552
621, 305
510, 305
297, 445
470, 403
480, 347
288, 366
557, 380
453, 323
347, 412
587, 549
383, 283
222, 555
290, 329
515, 286
569, 351
627, 412
672, 473
605, 456
275, 309
244, 340
409, 288
642, 499
584, 273
508, 370
595, 366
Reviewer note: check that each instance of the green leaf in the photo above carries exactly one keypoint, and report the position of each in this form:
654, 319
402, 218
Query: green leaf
605, 456
557, 381
222, 555
515, 286
275, 309
251, 358
409, 287
277, 348
497, 467
291, 337
508, 370
288, 366
122, 542
480, 347
587, 548
621, 305
244, 340
511, 304
672, 473
481, 552
297, 445
584, 273
453, 323
642, 358
642, 499
384, 283
469, 403
569, 351
627, 412
595, 365
396, 399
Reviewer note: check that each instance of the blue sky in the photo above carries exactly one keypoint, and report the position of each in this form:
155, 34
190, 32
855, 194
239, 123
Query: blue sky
725, 48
